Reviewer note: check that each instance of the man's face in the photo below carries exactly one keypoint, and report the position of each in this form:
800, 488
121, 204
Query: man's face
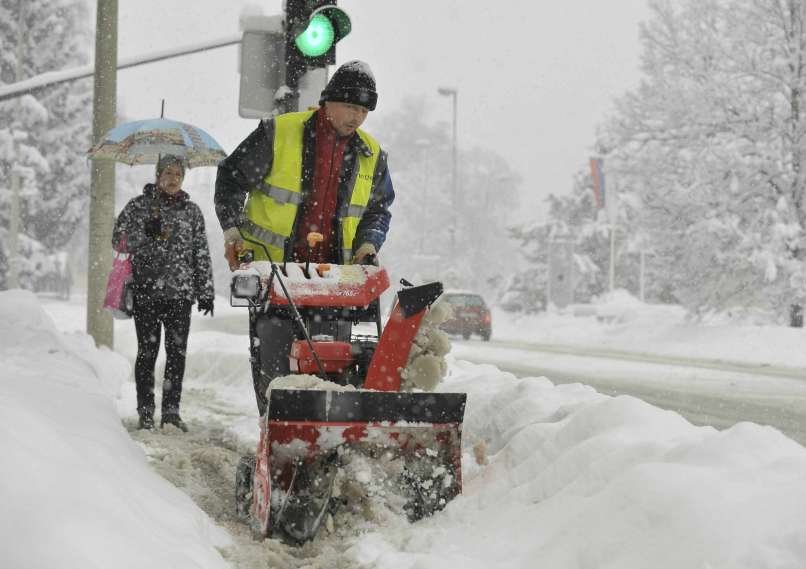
170, 179
345, 117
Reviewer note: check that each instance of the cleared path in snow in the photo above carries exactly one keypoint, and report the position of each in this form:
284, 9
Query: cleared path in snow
706, 392
202, 463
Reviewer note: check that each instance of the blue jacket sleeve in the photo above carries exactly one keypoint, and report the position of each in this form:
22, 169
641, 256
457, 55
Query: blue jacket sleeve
374, 224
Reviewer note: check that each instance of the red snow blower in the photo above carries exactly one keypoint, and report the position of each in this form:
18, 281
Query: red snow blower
286, 490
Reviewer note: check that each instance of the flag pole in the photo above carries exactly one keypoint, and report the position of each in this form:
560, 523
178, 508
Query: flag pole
612, 254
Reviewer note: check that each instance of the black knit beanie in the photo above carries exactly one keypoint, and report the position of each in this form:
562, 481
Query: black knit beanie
352, 83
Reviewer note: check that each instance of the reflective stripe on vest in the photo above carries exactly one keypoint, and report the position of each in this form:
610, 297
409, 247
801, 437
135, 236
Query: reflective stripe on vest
268, 237
272, 207
280, 195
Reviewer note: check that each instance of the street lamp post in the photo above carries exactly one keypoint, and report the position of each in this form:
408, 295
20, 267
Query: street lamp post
423, 144
454, 94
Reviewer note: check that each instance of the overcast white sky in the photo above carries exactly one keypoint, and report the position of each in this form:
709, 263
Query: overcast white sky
534, 78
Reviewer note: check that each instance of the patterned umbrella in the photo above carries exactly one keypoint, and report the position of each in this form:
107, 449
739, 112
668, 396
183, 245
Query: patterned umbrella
142, 142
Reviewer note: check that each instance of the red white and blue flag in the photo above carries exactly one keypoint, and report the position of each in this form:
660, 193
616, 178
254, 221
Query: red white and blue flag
597, 173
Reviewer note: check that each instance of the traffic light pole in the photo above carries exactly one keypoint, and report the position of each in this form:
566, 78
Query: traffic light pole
294, 72
102, 181
295, 67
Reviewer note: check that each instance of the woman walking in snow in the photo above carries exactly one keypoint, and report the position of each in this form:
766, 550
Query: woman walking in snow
164, 233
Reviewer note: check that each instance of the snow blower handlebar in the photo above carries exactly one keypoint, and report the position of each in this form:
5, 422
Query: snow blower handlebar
372, 260
275, 272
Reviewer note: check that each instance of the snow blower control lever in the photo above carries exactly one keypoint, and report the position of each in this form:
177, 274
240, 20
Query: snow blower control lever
313, 240
275, 274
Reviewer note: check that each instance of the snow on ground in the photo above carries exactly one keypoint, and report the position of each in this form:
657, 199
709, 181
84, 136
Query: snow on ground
76, 490
621, 322
555, 476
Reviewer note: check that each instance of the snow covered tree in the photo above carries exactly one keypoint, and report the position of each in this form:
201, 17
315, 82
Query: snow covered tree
576, 216
51, 128
573, 216
711, 148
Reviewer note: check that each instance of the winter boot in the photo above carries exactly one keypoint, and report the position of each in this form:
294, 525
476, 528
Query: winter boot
146, 421
175, 420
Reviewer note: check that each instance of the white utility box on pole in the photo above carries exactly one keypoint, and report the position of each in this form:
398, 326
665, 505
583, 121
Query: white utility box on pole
260, 65
263, 88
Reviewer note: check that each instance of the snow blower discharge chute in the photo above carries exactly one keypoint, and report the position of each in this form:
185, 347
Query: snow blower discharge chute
312, 426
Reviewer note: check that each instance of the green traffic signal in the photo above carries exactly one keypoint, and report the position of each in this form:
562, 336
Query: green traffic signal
317, 38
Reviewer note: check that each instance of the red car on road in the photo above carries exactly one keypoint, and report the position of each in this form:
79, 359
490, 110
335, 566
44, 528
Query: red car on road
470, 315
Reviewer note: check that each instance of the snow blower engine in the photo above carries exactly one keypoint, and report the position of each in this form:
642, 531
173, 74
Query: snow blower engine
314, 426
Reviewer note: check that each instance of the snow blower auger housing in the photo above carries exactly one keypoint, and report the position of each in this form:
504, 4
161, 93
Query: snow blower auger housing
288, 488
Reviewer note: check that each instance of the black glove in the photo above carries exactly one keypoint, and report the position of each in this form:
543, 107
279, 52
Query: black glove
154, 227
206, 305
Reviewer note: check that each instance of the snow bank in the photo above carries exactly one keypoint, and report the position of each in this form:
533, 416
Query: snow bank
621, 322
76, 491
577, 479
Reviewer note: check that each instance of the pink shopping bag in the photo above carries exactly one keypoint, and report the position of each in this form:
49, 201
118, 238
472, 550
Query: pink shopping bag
119, 294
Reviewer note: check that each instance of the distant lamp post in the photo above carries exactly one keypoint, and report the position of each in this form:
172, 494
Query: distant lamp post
454, 94
423, 145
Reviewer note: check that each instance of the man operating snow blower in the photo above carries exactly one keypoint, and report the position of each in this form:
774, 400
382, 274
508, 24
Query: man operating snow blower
303, 255
313, 171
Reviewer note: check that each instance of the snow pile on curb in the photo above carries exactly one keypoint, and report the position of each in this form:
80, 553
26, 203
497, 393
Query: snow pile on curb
573, 478
76, 490
27, 334
426, 366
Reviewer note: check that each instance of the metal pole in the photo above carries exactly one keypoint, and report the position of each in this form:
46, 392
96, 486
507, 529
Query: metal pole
612, 256
39, 82
14, 205
102, 184
423, 146
454, 93
454, 183
549, 292
643, 266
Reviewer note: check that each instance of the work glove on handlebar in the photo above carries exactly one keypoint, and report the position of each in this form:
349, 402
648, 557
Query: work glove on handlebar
233, 245
363, 253
206, 305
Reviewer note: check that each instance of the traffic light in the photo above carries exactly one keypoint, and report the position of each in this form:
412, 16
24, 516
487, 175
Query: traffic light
312, 29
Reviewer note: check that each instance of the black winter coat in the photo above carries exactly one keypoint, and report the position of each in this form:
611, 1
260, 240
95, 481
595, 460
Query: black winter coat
174, 264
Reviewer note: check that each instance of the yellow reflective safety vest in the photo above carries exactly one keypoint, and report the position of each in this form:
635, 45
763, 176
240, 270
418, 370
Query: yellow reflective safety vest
271, 209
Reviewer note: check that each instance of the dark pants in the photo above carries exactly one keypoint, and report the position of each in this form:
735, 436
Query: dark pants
270, 352
149, 318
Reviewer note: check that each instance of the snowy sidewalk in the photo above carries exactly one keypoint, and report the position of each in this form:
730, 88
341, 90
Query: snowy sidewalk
554, 476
